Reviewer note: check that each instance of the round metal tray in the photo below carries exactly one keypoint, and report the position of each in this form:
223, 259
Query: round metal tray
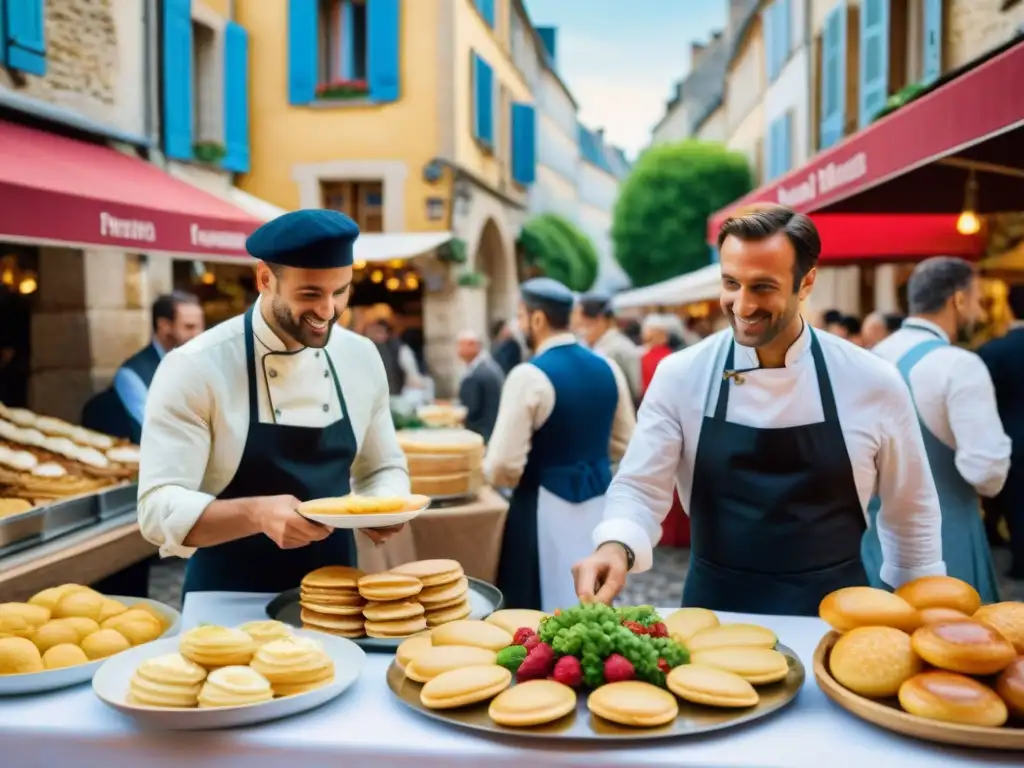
484, 599
581, 725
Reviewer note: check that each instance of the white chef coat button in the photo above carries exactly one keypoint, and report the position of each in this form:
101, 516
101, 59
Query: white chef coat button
326, 374
272, 373
327, 408
316, 354
277, 412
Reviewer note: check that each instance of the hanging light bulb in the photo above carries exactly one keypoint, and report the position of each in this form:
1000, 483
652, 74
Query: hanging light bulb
412, 282
392, 284
376, 276
968, 222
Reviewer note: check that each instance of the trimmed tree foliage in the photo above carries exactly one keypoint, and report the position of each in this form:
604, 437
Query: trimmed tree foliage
558, 249
659, 226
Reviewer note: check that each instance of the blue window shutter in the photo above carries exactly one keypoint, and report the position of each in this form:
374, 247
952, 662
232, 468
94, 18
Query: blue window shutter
483, 101
177, 79
236, 98
384, 58
783, 31
524, 144
3, 36
874, 58
785, 143
26, 36
768, 19
486, 8
932, 41
303, 50
833, 77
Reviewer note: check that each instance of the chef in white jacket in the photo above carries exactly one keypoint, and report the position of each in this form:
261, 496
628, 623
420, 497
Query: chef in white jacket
777, 436
265, 411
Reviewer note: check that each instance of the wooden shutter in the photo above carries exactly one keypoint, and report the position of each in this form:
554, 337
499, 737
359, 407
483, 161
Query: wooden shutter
26, 36
932, 68
874, 58
383, 32
524, 144
303, 50
833, 77
483, 101
177, 79
236, 98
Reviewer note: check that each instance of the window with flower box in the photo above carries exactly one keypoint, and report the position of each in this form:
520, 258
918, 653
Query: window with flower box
342, 49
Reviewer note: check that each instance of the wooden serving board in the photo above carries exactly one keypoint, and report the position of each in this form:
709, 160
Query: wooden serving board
887, 713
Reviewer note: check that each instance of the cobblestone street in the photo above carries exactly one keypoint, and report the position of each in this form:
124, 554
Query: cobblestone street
661, 586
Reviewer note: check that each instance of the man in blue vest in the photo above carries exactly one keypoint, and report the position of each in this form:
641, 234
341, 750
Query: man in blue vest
177, 317
563, 418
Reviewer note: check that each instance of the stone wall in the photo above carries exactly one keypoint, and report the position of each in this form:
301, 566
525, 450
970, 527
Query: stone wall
974, 27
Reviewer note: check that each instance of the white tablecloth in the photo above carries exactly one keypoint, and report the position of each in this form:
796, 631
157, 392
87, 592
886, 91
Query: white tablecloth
367, 727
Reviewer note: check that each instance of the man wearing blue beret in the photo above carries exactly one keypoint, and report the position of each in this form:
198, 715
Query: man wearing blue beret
265, 411
563, 418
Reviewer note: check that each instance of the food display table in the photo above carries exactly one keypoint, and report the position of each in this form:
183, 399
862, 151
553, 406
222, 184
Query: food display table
366, 726
470, 533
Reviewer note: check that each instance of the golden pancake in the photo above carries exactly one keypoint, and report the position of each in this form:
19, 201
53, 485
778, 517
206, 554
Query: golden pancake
389, 586
346, 633
264, 632
464, 686
332, 596
758, 666
472, 632
332, 577
62, 656
212, 646
34, 615
331, 610
687, 622
106, 642
633, 703
874, 661
170, 680
711, 686
432, 572
462, 600
331, 621
535, 702
732, 636
411, 648
234, 686
445, 593
400, 609
19, 656
511, 619
447, 615
56, 632
438, 659
293, 666
399, 628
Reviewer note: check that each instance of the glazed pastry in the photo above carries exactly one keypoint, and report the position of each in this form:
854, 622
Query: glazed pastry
967, 647
170, 680
234, 686
952, 698
941, 592
940, 615
464, 686
633, 703
1007, 618
535, 702
874, 661
1010, 687
710, 686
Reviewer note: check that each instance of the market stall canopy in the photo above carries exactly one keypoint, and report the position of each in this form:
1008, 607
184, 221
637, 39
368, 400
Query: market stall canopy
700, 285
57, 190
918, 159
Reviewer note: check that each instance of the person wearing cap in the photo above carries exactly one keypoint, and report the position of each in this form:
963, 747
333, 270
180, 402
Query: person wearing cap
562, 419
776, 436
265, 411
596, 326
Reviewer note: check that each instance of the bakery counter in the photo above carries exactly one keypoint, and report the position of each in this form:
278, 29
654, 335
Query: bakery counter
470, 532
366, 726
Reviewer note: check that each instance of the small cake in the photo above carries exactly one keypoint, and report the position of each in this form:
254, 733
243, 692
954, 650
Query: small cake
967, 647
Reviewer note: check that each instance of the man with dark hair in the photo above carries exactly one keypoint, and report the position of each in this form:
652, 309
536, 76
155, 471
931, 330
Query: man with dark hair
852, 327
968, 452
264, 412
832, 321
776, 436
563, 418
1004, 358
505, 348
597, 329
177, 318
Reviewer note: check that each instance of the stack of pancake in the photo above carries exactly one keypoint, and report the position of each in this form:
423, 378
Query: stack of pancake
331, 601
445, 592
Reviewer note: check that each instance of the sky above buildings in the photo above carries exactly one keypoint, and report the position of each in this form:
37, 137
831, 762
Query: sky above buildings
620, 58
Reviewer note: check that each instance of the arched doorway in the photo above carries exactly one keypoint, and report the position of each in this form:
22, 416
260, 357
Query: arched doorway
494, 263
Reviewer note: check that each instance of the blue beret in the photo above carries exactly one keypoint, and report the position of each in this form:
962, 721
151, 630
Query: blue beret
546, 290
308, 239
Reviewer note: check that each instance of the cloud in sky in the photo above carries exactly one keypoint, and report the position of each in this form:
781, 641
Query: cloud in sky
620, 58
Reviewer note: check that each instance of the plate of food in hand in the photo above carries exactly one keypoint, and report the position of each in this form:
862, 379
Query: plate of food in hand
927, 661
379, 610
355, 511
594, 672
222, 677
62, 635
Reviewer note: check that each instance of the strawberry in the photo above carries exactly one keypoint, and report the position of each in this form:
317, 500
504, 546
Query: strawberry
521, 634
635, 627
568, 671
531, 642
658, 630
663, 666
538, 663
617, 668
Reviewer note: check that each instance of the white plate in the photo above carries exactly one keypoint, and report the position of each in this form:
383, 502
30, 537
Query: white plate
368, 521
113, 679
39, 682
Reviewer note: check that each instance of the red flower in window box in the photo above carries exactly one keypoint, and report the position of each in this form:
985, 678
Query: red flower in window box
343, 89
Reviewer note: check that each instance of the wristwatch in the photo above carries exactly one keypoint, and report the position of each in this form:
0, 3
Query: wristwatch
630, 555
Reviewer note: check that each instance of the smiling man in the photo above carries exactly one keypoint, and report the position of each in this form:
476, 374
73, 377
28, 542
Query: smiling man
777, 436
265, 411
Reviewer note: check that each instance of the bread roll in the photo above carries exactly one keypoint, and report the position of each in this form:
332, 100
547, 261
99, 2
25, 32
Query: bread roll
1010, 687
967, 647
1007, 619
941, 592
940, 615
852, 607
874, 661
952, 698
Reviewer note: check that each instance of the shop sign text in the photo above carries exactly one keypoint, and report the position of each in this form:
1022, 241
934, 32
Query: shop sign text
139, 230
823, 181
211, 238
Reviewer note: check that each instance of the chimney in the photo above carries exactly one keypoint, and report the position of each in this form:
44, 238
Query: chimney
696, 49
738, 11
549, 36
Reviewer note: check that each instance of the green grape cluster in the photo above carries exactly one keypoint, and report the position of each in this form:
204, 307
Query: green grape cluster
594, 631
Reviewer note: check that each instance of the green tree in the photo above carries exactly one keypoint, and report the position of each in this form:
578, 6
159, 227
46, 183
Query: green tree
558, 249
659, 225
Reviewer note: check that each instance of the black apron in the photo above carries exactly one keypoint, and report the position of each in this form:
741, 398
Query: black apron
775, 517
305, 462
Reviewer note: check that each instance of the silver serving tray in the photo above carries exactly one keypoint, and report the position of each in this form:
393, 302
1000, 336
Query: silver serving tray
484, 600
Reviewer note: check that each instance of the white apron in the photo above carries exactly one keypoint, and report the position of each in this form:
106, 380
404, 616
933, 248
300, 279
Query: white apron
564, 533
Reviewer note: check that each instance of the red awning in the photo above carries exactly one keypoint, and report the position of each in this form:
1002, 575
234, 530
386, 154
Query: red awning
58, 190
917, 159
853, 237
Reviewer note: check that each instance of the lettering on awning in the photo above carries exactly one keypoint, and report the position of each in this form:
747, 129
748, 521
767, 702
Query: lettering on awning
138, 230
212, 238
823, 181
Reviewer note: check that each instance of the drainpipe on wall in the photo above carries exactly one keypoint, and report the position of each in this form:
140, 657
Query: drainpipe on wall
808, 111
151, 68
